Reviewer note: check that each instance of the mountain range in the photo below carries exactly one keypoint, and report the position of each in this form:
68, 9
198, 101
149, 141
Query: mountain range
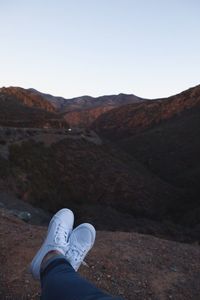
77, 111
125, 162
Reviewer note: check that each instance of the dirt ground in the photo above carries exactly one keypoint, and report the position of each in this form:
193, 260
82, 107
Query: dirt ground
131, 265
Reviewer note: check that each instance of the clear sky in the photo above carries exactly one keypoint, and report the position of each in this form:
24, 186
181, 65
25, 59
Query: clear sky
150, 48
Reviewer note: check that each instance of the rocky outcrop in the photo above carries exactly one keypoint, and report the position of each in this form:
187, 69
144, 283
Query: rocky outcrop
17, 110
27, 97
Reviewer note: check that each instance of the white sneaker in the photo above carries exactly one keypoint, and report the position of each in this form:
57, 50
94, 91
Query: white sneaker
81, 241
57, 238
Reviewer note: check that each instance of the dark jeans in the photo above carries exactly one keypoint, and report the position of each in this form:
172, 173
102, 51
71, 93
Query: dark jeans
59, 281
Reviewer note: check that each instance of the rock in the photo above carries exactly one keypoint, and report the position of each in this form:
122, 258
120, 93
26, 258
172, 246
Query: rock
24, 215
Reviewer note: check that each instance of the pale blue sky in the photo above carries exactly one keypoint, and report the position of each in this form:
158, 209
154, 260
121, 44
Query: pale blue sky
94, 47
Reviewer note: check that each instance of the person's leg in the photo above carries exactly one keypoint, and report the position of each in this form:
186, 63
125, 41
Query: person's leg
60, 256
59, 281
57, 239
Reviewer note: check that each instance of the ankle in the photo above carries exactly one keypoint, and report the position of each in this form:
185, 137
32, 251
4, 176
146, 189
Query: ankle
50, 255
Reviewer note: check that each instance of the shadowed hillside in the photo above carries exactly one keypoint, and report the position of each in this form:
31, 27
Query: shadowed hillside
171, 151
163, 135
79, 172
52, 169
130, 119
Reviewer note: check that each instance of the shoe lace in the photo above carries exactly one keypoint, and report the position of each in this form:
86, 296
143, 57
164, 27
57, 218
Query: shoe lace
61, 235
77, 254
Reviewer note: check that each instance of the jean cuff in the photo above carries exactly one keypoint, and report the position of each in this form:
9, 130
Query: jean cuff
56, 257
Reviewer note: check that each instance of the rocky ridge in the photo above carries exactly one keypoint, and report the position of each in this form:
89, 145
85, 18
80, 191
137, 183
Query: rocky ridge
131, 119
80, 111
